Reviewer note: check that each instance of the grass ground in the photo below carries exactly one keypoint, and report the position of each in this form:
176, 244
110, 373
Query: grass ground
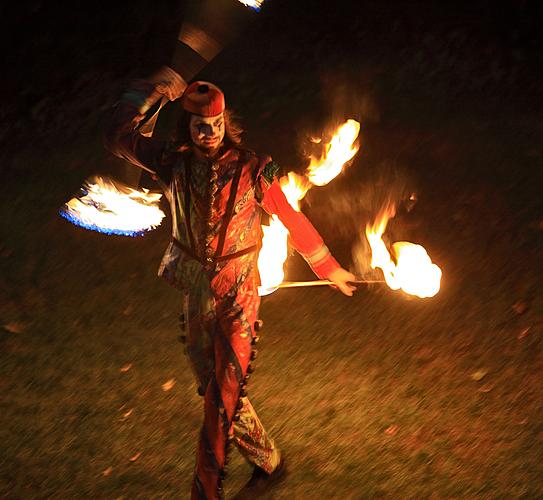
375, 396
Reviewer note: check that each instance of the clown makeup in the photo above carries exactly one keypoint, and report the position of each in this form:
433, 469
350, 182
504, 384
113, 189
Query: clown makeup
207, 133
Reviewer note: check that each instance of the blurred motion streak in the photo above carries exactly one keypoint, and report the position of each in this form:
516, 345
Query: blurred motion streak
273, 254
337, 153
254, 4
113, 208
409, 268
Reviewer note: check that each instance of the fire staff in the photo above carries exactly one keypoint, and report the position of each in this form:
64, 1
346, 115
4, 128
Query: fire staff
217, 190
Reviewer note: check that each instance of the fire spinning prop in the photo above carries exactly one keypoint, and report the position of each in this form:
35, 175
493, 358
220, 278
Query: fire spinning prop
408, 267
112, 208
254, 4
274, 252
109, 206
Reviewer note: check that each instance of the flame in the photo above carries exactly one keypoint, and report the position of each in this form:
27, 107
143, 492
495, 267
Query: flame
294, 187
274, 251
321, 171
409, 268
272, 256
254, 4
113, 208
337, 153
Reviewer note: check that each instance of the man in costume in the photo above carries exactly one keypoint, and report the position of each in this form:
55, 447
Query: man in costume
216, 190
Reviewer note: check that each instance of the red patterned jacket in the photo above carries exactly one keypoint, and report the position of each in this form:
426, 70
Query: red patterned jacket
215, 204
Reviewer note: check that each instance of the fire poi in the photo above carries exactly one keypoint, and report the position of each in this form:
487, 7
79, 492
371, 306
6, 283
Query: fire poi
408, 266
321, 170
110, 207
254, 4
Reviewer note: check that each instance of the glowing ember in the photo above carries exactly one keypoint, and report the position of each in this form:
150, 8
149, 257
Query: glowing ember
113, 208
337, 153
254, 4
274, 251
411, 269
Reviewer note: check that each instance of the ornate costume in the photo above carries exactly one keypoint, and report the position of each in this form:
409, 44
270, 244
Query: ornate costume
216, 205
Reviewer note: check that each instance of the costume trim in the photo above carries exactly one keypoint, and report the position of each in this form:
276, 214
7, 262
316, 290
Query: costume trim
318, 256
229, 211
220, 258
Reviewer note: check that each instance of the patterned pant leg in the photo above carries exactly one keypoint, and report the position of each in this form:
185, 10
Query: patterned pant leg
199, 314
252, 440
232, 351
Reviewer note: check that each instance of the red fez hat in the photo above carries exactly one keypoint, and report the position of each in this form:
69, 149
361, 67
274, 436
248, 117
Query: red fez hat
203, 99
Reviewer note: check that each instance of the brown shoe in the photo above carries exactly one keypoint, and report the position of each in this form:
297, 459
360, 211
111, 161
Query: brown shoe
261, 481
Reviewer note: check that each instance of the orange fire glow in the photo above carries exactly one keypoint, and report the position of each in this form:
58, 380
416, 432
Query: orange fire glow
321, 171
338, 152
409, 268
111, 207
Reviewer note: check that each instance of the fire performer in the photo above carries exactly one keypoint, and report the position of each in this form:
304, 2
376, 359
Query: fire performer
216, 190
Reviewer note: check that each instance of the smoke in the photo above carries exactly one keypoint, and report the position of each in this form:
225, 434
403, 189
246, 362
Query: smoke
343, 208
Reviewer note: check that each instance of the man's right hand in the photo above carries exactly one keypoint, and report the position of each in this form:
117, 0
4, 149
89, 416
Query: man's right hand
168, 83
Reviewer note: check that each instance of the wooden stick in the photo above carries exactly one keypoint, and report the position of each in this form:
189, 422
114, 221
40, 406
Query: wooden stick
295, 284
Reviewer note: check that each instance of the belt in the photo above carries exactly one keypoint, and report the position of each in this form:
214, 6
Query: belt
188, 251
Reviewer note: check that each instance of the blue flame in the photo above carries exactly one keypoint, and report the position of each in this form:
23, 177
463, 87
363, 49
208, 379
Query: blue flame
105, 230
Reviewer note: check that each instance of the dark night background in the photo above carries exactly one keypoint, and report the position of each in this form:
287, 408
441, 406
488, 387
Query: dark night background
450, 100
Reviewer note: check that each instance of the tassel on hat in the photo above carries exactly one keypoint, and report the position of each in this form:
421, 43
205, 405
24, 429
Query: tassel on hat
203, 99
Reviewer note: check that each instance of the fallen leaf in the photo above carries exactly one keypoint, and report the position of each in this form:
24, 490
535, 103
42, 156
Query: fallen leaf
391, 430
126, 414
128, 310
125, 368
14, 327
523, 333
519, 307
524, 421
107, 471
166, 386
486, 388
133, 458
478, 375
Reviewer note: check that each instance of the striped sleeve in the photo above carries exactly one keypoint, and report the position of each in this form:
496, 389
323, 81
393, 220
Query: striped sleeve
303, 235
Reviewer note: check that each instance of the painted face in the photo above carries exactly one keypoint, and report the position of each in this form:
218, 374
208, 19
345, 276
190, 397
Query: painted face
207, 132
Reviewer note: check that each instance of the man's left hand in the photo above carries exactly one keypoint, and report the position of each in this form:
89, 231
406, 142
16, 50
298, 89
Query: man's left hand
341, 277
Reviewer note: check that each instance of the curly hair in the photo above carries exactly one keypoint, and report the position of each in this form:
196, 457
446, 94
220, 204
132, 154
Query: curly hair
232, 130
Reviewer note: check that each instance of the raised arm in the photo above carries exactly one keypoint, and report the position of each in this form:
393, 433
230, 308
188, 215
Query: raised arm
122, 136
